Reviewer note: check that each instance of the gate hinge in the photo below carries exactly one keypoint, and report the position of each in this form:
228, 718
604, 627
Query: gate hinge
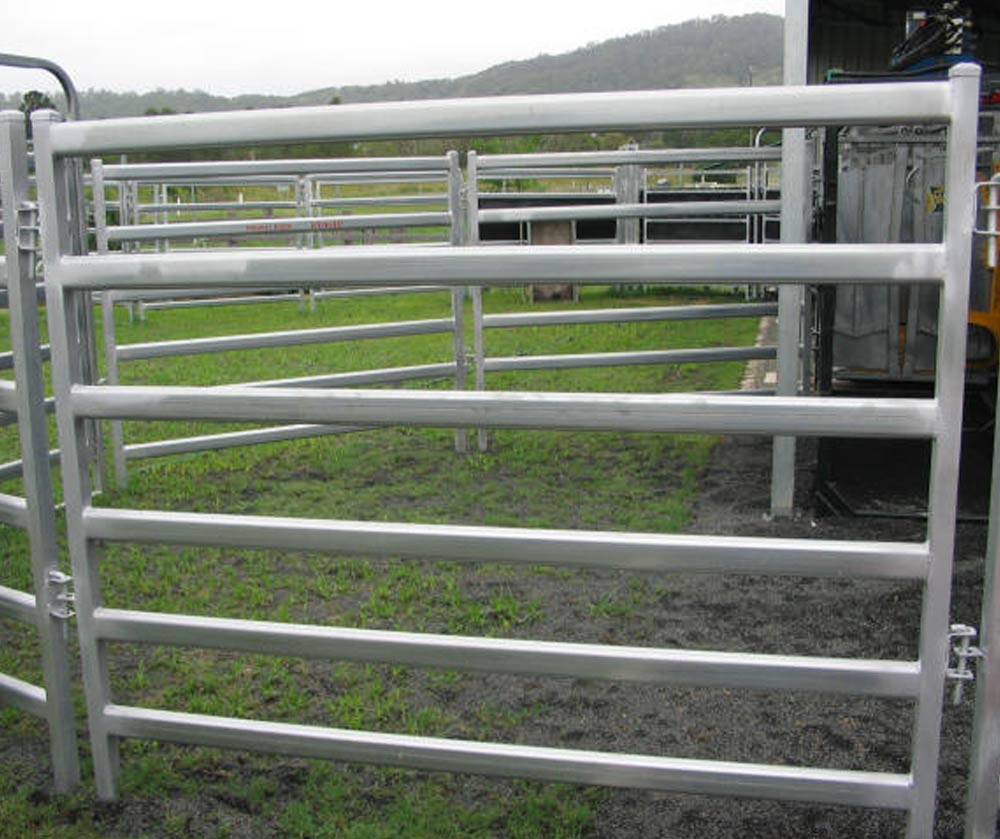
960, 638
27, 227
63, 598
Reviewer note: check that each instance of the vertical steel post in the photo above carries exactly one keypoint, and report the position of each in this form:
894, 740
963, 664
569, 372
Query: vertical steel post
457, 238
949, 388
34, 438
472, 239
794, 209
68, 356
108, 319
984, 772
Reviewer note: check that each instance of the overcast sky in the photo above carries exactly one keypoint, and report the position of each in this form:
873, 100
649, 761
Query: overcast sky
227, 47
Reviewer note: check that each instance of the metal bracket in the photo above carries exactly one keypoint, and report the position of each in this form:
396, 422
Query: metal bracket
28, 230
64, 597
960, 638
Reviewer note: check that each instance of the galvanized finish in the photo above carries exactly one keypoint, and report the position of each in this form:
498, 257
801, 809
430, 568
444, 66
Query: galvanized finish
580, 661
984, 770
865, 789
36, 512
959, 218
630, 211
520, 546
457, 266
680, 413
288, 338
491, 265
795, 208
900, 103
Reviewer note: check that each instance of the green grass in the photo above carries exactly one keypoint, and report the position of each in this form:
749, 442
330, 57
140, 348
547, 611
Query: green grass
641, 482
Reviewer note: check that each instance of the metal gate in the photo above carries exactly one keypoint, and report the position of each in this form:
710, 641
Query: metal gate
23, 401
71, 278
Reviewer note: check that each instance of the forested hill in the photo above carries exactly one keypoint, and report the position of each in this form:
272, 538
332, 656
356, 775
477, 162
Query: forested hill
700, 53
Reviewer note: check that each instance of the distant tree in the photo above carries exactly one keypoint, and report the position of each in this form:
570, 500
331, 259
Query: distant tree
158, 112
34, 100
335, 100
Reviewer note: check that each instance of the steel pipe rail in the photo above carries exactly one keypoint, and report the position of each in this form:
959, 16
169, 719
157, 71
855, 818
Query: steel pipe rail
519, 546
8, 396
243, 300
289, 338
636, 157
324, 293
272, 227
23, 695
15, 468
231, 440
378, 200
7, 358
681, 413
461, 266
886, 104
18, 606
648, 313
678, 210
13, 510
565, 361
896, 679
361, 377
865, 789
233, 168
194, 206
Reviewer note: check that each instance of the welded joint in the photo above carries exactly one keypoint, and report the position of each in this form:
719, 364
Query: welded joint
960, 638
62, 598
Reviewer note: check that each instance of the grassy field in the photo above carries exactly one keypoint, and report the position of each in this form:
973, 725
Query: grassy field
535, 479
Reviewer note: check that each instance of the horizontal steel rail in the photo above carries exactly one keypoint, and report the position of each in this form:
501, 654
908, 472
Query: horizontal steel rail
624, 157
23, 695
678, 210
897, 679
379, 200
547, 173
565, 361
18, 606
158, 172
7, 358
196, 206
793, 783
325, 293
289, 338
679, 413
884, 104
520, 546
485, 265
13, 510
243, 300
231, 440
622, 315
15, 468
273, 226
8, 396
385, 375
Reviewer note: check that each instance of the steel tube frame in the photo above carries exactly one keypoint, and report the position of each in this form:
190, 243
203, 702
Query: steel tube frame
34, 513
895, 679
946, 266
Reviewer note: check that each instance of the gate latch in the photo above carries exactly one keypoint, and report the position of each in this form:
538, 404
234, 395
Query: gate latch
63, 599
960, 638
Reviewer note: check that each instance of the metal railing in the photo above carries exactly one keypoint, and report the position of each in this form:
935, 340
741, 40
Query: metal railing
389, 168
23, 400
628, 161
944, 266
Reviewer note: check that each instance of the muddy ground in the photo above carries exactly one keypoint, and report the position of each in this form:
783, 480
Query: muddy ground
823, 617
